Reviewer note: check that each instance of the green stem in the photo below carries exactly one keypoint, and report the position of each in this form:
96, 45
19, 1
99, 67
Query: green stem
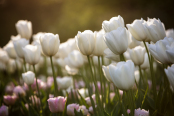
17, 68
38, 90
25, 65
151, 71
45, 67
104, 81
54, 76
93, 68
101, 83
122, 57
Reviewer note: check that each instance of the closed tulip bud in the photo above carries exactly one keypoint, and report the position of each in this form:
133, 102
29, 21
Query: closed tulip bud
138, 30
117, 40
37, 36
170, 75
106, 73
139, 112
158, 50
28, 77
15, 37
9, 48
64, 82
56, 104
91, 110
137, 55
32, 54
110, 55
113, 23
156, 29
74, 59
85, 42
71, 108
145, 64
24, 28
122, 75
18, 45
83, 110
50, 43
100, 45
3, 110
137, 76
10, 100
4, 56
170, 33
19, 91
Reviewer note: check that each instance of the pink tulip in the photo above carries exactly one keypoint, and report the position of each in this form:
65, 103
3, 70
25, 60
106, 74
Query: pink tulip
35, 100
139, 112
10, 100
3, 110
9, 88
18, 90
128, 111
50, 81
70, 109
25, 87
56, 104
91, 110
83, 110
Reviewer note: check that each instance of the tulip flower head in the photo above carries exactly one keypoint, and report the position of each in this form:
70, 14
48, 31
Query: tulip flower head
71, 108
139, 112
10, 100
28, 77
3, 110
170, 74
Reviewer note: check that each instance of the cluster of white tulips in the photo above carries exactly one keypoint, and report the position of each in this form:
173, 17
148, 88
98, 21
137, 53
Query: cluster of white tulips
119, 70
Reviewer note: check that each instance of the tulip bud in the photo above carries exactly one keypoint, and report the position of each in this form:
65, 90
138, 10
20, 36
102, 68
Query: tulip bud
18, 45
91, 110
122, 75
139, 112
110, 55
145, 64
50, 43
37, 36
106, 73
3, 110
9, 48
4, 56
71, 71
74, 59
31, 54
137, 55
24, 28
85, 42
10, 100
56, 104
117, 40
156, 29
19, 91
170, 75
71, 108
28, 77
138, 30
64, 82
100, 45
83, 110
170, 33
64, 50
113, 23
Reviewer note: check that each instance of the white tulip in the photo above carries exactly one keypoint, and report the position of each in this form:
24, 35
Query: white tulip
106, 73
137, 76
100, 44
61, 62
15, 37
37, 36
170, 74
138, 30
9, 48
11, 66
50, 44
28, 77
156, 29
170, 33
65, 82
71, 71
137, 55
24, 28
74, 59
133, 42
32, 54
145, 64
110, 55
117, 40
170, 53
122, 75
158, 50
18, 45
85, 42
113, 23
4, 56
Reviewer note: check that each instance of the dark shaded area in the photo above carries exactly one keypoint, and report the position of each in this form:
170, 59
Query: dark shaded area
67, 17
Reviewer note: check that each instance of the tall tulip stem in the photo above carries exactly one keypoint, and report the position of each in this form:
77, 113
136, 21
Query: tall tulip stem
25, 65
151, 71
54, 76
38, 90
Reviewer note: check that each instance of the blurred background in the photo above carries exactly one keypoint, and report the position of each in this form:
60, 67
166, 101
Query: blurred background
67, 17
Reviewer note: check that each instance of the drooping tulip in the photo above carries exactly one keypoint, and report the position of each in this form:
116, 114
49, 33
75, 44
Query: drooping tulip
50, 43
122, 75
28, 77
85, 42
32, 54
113, 24
24, 28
